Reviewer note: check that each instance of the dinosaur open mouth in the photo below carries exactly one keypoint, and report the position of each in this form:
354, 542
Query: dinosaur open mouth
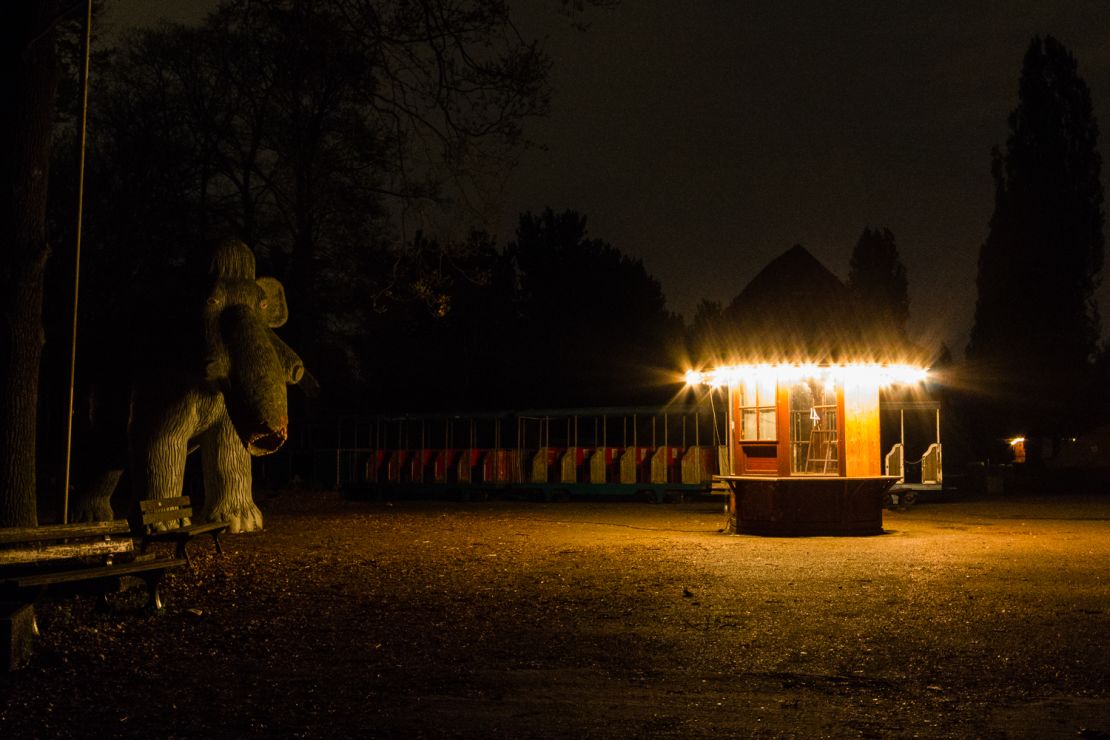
266, 441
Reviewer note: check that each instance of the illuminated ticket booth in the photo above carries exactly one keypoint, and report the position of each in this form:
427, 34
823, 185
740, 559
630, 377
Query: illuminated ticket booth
804, 448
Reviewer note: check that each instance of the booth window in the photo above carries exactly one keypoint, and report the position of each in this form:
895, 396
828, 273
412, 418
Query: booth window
813, 428
757, 409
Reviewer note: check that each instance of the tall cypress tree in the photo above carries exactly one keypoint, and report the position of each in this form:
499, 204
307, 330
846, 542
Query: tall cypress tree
878, 284
1036, 320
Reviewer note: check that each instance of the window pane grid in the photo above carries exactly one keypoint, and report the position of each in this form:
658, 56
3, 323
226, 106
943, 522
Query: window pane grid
758, 418
813, 437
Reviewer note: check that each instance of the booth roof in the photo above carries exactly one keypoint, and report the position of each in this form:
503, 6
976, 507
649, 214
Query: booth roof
797, 311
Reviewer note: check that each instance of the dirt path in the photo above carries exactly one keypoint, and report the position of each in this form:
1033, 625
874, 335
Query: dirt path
517, 619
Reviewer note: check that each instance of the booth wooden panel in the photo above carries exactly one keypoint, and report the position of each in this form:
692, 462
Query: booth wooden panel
862, 443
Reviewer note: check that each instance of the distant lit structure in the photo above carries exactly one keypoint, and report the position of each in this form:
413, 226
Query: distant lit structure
805, 419
804, 445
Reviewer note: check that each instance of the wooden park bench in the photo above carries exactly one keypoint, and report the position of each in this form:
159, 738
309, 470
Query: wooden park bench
35, 559
164, 521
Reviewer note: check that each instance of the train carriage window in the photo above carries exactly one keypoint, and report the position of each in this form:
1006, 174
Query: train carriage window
757, 409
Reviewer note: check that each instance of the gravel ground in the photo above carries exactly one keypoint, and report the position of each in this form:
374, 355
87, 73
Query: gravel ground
585, 619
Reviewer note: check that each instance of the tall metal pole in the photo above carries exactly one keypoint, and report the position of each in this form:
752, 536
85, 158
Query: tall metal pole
77, 254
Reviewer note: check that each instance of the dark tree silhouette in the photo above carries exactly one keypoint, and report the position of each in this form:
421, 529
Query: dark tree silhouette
321, 133
446, 340
1036, 320
594, 323
708, 332
27, 85
877, 284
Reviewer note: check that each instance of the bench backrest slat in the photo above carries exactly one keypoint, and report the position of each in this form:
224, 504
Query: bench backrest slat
152, 504
39, 552
19, 535
165, 510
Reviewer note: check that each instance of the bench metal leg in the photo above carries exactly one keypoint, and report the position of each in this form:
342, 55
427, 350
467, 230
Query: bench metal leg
153, 580
103, 588
216, 539
182, 551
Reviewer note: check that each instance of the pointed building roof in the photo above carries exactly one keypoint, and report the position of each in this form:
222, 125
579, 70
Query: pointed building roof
796, 310
795, 276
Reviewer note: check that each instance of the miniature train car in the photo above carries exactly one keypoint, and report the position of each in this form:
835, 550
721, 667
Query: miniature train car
662, 452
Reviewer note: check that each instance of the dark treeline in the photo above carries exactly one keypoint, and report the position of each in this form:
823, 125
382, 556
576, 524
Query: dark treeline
554, 318
302, 129
341, 141
347, 142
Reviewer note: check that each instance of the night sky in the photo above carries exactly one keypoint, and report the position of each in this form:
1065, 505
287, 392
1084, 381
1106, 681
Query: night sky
707, 137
